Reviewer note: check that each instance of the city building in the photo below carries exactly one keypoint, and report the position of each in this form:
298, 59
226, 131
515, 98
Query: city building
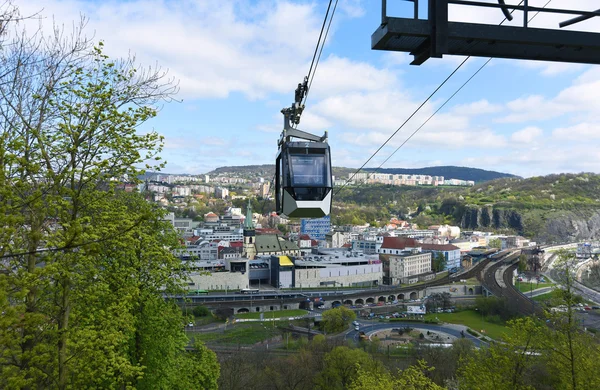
445, 231
211, 217
221, 192
337, 239
316, 228
450, 252
337, 268
406, 267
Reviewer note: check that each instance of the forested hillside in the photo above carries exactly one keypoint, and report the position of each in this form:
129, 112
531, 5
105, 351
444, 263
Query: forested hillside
549, 208
449, 172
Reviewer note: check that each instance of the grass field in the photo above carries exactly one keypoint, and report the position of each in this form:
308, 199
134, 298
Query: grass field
547, 296
473, 320
526, 286
272, 314
469, 281
438, 277
243, 334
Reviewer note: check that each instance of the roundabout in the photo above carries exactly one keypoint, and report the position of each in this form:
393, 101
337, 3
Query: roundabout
439, 334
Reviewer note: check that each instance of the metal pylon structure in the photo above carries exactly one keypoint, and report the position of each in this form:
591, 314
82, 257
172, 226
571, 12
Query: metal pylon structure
436, 35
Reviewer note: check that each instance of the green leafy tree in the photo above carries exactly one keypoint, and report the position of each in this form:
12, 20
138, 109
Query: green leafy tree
341, 367
438, 262
201, 311
88, 264
507, 365
495, 243
574, 357
522, 263
337, 320
412, 378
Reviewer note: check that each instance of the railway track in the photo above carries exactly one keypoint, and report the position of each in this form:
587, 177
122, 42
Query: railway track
498, 279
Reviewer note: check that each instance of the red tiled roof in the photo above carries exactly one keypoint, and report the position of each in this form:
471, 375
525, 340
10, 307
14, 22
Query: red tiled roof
192, 238
399, 243
439, 247
348, 245
236, 244
304, 237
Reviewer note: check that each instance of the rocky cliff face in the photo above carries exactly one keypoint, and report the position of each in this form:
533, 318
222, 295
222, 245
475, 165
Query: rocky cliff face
542, 225
487, 217
573, 226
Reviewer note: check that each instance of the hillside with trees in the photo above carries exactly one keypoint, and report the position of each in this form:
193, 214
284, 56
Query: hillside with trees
449, 172
550, 208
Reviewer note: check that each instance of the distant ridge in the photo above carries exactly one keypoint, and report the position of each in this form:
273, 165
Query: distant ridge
449, 172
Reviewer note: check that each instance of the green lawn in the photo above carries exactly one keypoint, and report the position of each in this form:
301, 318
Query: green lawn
438, 277
273, 314
473, 320
546, 297
470, 281
242, 333
526, 287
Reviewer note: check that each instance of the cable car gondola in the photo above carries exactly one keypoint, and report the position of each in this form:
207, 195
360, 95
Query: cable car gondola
303, 184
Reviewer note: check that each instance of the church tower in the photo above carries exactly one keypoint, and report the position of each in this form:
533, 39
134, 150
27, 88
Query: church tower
249, 235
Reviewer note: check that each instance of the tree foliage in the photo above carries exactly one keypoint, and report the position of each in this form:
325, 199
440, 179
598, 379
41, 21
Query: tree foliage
85, 264
412, 378
552, 352
438, 262
341, 368
337, 320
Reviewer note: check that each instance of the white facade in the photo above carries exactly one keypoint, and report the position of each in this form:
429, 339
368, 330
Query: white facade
218, 281
221, 192
339, 276
400, 268
337, 239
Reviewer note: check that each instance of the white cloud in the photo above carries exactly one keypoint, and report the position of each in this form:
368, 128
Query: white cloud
352, 8
526, 135
338, 75
552, 68
479, 107
214, 47
583, 132
582, 97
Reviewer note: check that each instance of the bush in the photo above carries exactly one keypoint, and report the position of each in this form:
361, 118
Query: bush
201, 311
472, 332
421, 336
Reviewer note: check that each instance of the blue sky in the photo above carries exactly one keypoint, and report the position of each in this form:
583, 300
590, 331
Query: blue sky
238, 63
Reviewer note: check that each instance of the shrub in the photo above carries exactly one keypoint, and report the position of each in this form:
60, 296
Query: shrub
201, 311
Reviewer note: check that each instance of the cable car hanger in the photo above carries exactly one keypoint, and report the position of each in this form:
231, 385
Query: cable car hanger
303, 181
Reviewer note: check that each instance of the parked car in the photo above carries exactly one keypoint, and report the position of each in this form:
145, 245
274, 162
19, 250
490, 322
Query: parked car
357, 328
355, 323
